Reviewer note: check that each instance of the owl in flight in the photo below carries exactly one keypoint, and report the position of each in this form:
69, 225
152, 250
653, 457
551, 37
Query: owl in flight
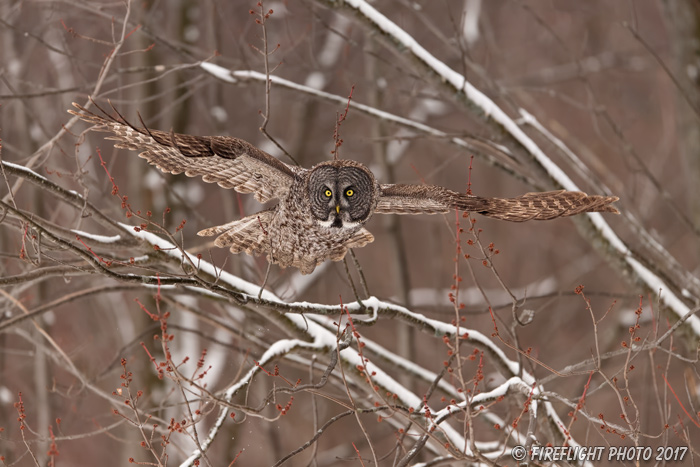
321, 210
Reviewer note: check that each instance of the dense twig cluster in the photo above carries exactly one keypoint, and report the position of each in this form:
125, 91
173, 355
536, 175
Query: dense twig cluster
169, 352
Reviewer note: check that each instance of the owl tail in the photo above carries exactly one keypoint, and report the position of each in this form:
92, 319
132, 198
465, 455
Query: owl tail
544, 206
249, 234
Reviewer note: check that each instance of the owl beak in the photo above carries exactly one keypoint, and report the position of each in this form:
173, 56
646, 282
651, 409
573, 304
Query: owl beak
337, 209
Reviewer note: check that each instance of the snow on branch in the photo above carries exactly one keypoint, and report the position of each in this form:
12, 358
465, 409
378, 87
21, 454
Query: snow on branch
491, 109
321, 330
322, 334
240, 76
323, 338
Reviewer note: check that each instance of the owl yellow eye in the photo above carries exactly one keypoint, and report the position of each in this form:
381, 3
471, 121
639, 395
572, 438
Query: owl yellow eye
328, 193
349, 192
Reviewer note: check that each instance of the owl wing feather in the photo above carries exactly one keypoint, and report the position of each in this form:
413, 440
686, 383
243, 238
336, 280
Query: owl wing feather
430, 199
229, 162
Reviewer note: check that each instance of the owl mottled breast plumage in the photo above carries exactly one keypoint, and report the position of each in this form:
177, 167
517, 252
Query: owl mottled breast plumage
320, 218
321, 210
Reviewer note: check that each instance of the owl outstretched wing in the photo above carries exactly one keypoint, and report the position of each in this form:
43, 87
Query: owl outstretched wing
229, 162
430, 199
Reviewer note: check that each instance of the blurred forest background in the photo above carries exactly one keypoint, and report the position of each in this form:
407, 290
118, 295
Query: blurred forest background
607, 91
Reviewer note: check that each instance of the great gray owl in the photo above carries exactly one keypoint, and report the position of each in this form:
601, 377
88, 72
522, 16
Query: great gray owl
321, 210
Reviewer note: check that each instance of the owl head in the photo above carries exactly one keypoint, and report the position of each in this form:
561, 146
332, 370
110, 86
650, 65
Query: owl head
342, 194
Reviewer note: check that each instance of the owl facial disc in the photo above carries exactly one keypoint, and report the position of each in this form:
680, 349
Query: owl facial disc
340, 196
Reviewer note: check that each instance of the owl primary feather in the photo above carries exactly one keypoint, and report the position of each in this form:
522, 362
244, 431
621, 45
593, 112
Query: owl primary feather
321, 210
